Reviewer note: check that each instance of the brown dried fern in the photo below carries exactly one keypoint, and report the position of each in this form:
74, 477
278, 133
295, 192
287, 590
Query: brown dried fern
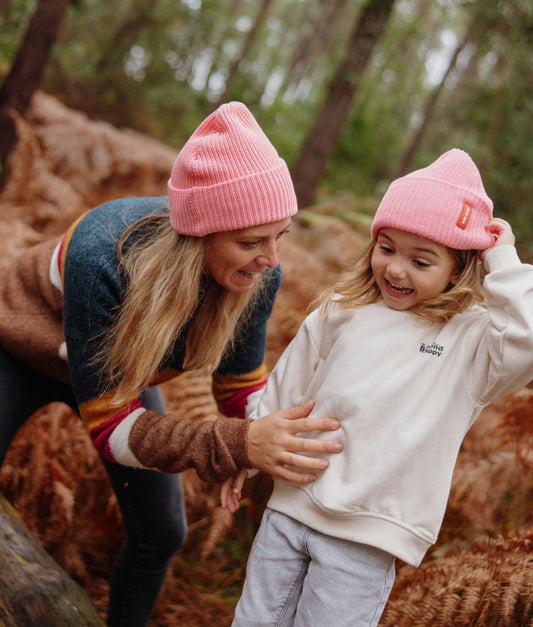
516, 427
490, 486
220, 523
54, 478
490, 584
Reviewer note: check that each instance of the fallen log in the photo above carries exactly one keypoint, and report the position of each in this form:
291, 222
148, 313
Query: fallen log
34, 590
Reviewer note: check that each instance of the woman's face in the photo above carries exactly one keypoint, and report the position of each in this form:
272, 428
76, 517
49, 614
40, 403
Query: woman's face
409, 268
236, 259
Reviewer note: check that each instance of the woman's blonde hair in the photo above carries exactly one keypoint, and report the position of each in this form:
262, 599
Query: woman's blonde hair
357, 287
167, 293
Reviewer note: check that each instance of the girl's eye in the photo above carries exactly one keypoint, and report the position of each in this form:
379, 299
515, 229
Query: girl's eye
420, 263
250, 244
387, 250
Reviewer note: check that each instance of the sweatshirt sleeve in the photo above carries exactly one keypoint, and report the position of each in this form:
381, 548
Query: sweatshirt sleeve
504, 358
288, 383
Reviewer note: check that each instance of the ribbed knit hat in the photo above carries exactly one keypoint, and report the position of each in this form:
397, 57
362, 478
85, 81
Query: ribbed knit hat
228, 176
445, 202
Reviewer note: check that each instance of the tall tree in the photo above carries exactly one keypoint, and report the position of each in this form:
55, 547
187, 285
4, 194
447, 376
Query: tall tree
27, 68
311, 163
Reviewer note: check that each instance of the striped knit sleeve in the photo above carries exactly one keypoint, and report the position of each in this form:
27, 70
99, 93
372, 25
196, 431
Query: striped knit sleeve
142, 438
232, 392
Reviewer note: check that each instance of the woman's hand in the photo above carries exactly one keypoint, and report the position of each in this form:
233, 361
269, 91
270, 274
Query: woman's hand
502, 233
273, 443
230, 492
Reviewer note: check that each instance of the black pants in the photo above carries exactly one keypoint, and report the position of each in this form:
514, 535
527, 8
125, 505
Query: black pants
151, 502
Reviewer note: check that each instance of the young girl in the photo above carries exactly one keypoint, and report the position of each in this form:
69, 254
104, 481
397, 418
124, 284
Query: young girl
406, 354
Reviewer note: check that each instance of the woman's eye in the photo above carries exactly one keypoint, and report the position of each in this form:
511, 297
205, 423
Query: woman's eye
250, 244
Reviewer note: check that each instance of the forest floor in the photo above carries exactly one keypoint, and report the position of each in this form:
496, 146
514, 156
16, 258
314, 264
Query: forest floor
480, 572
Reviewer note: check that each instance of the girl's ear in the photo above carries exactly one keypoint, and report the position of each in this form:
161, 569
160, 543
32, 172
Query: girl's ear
454, 278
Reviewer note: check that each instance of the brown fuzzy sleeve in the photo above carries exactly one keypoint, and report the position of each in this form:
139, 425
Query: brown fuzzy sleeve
215, 448
31, 311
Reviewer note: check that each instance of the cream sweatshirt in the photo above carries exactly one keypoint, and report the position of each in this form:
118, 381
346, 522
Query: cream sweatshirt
406, 392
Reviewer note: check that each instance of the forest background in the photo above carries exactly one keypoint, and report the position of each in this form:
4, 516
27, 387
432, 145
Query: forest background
353, 93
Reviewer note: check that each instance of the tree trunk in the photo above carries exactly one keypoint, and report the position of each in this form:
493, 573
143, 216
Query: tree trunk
314, 156
34, 590
28, 67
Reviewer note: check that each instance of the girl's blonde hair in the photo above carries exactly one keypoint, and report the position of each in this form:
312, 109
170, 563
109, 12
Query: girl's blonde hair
358, 287
167, 290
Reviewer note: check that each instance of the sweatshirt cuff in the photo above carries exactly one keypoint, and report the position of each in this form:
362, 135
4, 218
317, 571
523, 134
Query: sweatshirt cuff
501, 256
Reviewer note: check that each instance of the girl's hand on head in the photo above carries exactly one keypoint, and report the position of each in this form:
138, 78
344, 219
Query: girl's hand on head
273, 444
230, 492
502, 233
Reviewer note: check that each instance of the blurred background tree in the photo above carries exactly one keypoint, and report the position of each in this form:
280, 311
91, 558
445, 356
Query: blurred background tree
27, 68
440, 73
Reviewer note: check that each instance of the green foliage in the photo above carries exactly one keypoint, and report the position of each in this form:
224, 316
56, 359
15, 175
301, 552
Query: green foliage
161, 65
13, 19
490, 115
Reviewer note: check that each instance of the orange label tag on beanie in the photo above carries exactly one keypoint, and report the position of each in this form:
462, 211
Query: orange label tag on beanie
466, 214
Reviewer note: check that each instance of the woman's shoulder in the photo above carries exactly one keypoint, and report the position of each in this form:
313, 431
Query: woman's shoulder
110, 219
96, 235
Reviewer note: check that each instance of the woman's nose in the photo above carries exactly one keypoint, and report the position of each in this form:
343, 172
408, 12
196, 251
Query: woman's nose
269, 255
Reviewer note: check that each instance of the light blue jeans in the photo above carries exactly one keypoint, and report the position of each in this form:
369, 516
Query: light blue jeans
299, 577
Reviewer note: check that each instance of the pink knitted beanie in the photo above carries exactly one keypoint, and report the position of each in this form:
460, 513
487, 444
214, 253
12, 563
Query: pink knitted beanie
445, 202
228, 176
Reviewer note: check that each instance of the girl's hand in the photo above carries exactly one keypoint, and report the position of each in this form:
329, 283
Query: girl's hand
502, 233
273, 443
230, 492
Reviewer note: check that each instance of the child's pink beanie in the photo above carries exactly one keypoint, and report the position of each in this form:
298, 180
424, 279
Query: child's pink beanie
445, 202
228, 176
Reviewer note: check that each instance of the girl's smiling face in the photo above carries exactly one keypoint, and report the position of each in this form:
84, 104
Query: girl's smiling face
236, 259
409, 268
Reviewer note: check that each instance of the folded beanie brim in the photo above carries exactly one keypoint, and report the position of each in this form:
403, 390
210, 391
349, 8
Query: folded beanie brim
259, 198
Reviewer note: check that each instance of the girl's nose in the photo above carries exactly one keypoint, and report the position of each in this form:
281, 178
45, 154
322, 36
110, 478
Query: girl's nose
396, 269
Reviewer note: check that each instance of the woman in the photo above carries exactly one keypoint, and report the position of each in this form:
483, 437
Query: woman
137, 291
